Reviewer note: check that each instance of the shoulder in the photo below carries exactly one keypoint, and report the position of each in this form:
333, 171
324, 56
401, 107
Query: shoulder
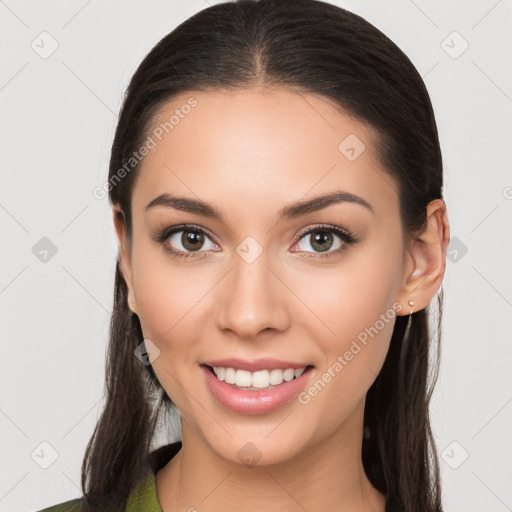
144, 497
75, 505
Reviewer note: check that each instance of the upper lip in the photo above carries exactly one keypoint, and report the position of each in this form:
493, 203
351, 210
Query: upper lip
255, 365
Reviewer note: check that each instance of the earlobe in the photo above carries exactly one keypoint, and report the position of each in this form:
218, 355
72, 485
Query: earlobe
130, 302
426, 255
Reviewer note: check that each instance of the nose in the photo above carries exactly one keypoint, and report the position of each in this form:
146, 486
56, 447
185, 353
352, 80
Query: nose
252, 299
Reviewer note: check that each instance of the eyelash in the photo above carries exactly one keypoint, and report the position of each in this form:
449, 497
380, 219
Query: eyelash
346, 236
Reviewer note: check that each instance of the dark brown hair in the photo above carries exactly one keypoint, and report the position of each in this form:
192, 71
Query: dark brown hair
311, 47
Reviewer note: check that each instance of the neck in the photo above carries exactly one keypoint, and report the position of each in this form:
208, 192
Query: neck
327, 475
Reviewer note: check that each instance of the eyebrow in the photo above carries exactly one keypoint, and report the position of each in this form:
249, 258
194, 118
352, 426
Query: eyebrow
293, 210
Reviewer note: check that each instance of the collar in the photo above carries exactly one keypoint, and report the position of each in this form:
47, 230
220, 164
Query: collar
145, 498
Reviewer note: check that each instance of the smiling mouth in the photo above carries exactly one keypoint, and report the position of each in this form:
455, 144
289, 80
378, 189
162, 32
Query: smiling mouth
259, 380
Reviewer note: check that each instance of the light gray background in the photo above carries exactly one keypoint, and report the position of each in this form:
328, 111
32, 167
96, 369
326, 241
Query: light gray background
58, 118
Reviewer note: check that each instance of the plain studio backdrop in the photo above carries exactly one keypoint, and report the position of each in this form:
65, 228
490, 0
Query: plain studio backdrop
65, 66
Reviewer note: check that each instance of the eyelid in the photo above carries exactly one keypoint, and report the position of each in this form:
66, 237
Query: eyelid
327, 227
171, 230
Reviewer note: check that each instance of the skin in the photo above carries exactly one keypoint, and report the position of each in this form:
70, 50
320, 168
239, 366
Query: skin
250, 153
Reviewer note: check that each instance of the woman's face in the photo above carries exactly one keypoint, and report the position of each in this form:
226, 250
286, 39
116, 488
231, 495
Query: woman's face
259, 284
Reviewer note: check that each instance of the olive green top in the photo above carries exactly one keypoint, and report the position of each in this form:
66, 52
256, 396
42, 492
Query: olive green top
144, 498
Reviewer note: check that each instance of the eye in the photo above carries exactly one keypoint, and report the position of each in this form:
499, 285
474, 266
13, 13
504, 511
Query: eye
187, 240
323, 239
184, 240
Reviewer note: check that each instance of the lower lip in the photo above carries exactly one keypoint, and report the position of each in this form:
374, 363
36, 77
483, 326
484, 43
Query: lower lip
251, 401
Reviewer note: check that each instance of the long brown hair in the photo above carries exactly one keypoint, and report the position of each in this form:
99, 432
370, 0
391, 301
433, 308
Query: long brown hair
312, 47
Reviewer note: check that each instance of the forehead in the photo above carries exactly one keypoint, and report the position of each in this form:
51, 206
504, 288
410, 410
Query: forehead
266, 146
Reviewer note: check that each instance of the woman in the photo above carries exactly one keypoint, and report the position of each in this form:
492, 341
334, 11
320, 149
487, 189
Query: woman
276, 189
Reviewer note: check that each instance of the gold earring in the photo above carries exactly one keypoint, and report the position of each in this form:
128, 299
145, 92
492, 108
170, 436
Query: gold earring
409, 322
404, 348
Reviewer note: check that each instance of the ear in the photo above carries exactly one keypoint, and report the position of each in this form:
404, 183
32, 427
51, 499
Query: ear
124, 254
426, 259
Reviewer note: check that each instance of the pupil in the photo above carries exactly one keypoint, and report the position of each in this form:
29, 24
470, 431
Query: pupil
320, 238
191, 240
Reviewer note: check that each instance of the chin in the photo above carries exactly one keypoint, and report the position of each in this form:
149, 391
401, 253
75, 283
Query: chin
261, 449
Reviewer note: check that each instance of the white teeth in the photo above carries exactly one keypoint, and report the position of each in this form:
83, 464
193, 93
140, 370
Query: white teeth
243, 378
288, 374
261, 379
276, 377
229, 375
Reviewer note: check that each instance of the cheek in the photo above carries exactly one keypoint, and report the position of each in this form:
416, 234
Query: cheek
164, 292
167, 302
171, 303
355, 306
351, 297
353, 356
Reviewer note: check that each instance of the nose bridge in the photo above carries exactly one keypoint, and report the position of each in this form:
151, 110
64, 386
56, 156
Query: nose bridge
250, 301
